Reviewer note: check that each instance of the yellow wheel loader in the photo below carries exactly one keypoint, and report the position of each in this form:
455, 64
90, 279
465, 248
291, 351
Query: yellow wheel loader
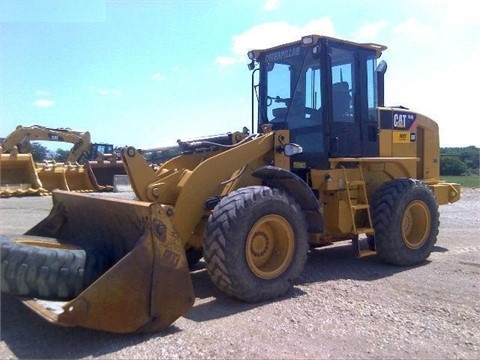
326, 161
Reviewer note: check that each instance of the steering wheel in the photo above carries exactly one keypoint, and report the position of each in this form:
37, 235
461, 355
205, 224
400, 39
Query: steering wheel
277, 99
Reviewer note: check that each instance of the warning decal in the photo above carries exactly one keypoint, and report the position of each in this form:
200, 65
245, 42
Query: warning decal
403, 137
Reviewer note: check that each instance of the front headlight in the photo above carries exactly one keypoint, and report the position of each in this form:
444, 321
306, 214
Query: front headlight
307, 40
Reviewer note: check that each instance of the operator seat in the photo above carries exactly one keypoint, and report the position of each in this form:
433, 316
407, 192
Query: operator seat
280, 113
340, 100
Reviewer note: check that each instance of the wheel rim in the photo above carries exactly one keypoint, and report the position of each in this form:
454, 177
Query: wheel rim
270, 246
416, 224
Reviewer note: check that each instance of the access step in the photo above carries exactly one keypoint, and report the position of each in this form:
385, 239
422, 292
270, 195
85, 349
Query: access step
362, 248
365, 230
360, 207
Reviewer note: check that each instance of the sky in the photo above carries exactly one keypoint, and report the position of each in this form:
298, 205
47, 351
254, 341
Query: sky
146, 73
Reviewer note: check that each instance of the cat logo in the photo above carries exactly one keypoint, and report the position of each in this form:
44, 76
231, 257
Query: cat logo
399, 120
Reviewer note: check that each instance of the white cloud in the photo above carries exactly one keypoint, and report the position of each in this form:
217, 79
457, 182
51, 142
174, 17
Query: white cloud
271, 34
425, 57
370, 31
270, 5
106, 91
158, 77
414, 30
321, 26
225, 60
450, 12
43, 103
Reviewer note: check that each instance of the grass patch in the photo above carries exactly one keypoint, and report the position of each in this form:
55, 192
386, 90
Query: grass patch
472, 181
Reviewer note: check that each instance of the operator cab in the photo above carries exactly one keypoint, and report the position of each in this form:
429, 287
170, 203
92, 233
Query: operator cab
324, 91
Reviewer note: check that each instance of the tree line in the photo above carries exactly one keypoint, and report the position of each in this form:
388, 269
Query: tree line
459, 160
40, 153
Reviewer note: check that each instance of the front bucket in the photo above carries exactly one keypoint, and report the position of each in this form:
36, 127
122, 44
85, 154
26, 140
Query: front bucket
78, 179
148, 285
105, 171
18, 175
52, 176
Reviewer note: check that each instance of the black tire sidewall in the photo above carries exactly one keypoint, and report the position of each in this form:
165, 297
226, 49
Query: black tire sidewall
260, 201
388, 210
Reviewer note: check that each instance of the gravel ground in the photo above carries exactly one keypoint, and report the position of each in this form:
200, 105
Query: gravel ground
341, 307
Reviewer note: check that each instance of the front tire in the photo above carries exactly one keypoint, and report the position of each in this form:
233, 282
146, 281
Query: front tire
406, 221
256, 243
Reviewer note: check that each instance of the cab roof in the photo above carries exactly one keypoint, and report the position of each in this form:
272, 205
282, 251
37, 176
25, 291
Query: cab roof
313, 39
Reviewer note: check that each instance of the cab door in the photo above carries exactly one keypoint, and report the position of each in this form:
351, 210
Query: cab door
344, 121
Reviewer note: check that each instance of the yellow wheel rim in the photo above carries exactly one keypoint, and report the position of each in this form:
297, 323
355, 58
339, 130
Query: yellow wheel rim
416, 223
270, 246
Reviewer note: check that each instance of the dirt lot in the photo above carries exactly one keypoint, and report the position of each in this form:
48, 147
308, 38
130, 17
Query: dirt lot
341, 307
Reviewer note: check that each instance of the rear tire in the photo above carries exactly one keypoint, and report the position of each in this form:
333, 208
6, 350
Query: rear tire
406, 221
42, 267
256, 243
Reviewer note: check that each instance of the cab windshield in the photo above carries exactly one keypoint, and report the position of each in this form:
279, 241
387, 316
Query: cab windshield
291, 97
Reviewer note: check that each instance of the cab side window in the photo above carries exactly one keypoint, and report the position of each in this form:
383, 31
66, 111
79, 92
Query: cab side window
342, 85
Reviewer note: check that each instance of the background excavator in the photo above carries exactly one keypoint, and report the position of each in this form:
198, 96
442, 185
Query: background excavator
326, 161
89, 166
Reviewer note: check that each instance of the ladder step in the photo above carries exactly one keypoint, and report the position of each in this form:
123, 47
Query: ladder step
356, 183
361, 248
366, 252
365, 230
360, 206
358, 200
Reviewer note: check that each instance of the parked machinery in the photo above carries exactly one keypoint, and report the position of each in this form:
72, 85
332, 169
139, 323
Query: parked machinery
89, 166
